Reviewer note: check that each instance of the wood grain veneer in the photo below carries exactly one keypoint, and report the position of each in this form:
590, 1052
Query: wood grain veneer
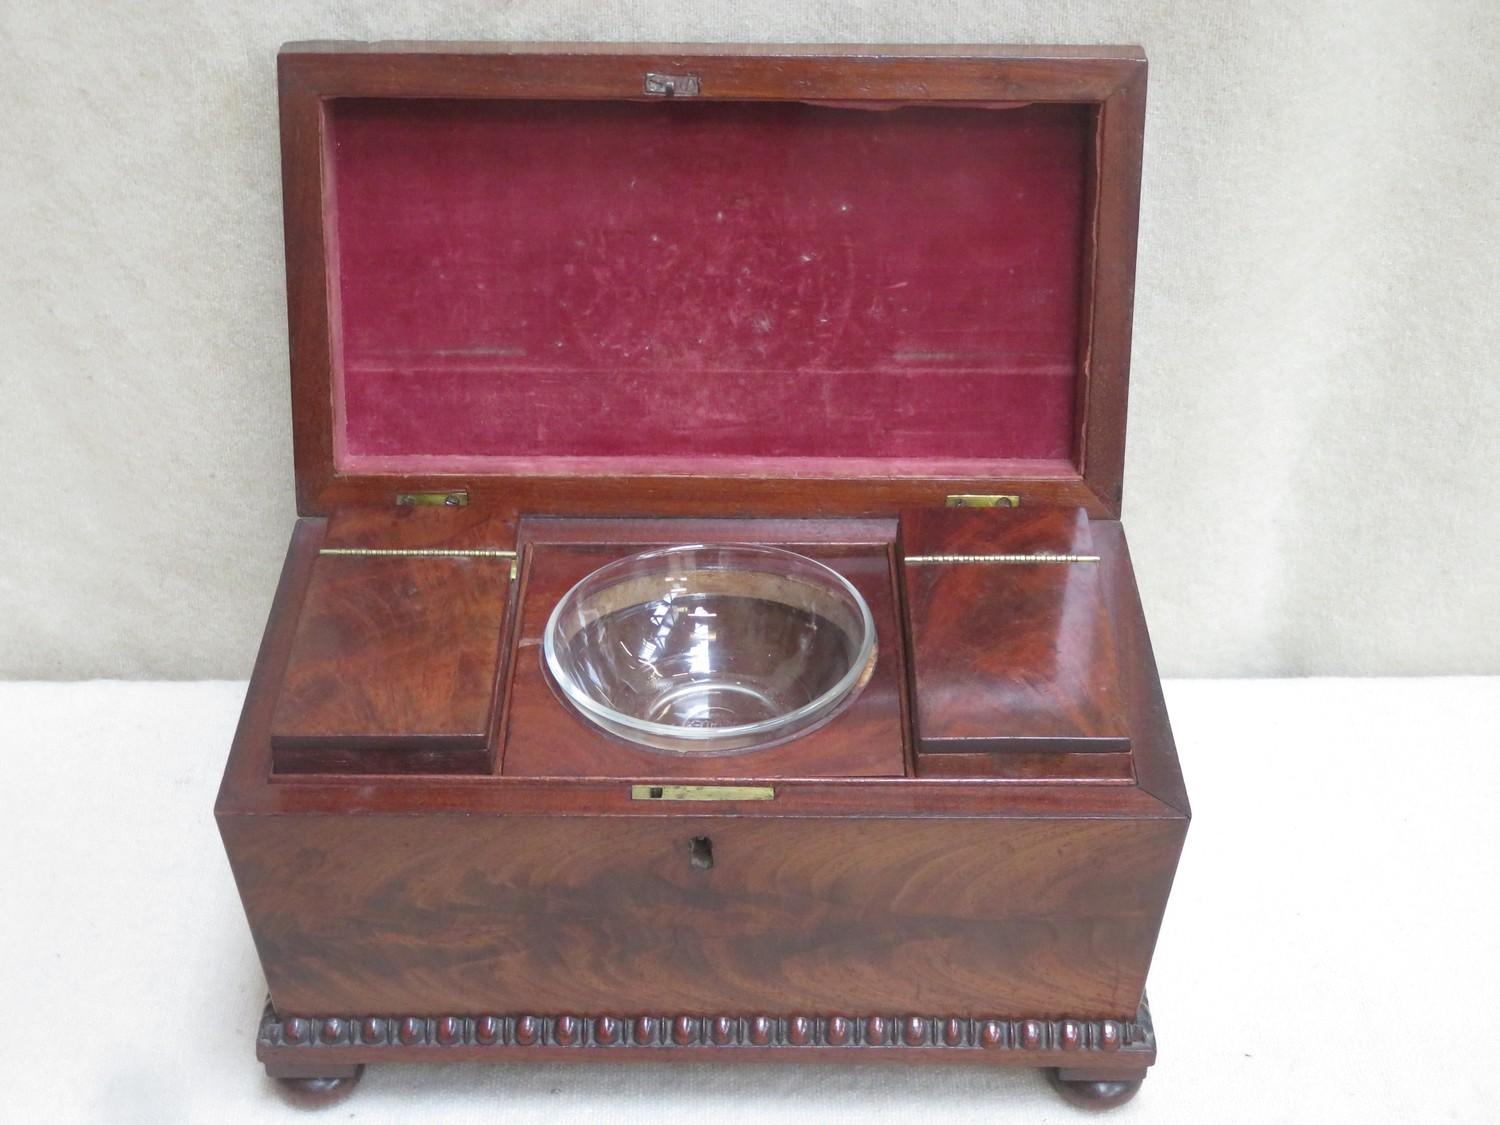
1009, 657
394, 666
469, 915
495, 896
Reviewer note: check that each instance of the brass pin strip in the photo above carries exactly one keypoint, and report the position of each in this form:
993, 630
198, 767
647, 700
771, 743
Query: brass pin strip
418, 553
1014, 560
702, 792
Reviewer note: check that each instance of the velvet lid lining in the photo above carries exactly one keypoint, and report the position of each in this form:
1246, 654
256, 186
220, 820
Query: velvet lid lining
661, 286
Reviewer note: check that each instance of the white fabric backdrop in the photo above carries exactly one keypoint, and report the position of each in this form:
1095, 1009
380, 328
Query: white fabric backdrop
1312, 470
1328, 954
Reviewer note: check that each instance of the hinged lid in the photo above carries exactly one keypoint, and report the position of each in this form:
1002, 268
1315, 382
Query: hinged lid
710, 280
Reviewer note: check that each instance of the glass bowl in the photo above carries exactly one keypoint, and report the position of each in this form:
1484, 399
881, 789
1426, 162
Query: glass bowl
710, 649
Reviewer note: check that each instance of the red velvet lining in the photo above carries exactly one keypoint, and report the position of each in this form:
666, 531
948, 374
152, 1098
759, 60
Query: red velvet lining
543, 282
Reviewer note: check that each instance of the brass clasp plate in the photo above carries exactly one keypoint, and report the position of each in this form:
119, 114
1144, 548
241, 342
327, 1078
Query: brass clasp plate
673, 85
702, 792
447, 498
982, 500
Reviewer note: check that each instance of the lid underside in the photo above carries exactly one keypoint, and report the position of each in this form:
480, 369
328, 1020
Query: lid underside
562, 288
711, 285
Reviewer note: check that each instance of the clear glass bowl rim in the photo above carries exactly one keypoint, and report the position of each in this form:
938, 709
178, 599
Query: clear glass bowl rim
768, 727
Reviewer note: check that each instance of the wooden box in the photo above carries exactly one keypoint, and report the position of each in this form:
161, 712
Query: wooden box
551, 306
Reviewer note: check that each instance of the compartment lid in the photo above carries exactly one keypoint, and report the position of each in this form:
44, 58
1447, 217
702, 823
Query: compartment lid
698, 280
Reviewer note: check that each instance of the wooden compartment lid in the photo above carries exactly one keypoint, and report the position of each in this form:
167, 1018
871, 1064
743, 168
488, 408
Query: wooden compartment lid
1011, 643
700, 280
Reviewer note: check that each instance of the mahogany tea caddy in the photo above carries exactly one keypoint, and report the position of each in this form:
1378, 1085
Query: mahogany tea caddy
552, 306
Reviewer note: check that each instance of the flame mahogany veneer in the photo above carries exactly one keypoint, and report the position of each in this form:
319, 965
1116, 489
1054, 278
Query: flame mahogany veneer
799, 303
394, 667
1015, 659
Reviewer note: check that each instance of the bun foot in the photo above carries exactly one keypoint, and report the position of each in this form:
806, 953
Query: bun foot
315, 1093
1095, 1092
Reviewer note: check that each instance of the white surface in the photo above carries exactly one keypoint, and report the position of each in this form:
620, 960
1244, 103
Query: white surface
1313, 403
1329, 953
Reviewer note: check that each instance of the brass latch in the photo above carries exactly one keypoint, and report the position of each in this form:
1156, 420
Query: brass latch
982, 500
447, 498
673, 85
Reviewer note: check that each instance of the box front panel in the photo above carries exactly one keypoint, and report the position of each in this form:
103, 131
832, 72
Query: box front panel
686, 913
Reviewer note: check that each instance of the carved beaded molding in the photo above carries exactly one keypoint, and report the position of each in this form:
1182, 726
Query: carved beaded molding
1064, 1036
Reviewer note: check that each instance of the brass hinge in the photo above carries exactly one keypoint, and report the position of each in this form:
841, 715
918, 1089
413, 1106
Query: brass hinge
444, 498
673, 85
982, 500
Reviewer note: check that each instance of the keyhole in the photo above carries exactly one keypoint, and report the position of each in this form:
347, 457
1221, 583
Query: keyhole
701, 852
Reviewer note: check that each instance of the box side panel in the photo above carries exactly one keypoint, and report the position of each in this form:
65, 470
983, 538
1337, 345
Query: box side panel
388, 915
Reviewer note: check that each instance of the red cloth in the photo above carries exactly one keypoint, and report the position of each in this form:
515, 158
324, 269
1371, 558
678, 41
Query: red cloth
716, 281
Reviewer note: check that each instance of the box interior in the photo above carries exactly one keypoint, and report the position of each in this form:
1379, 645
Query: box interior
417, 649
546, 737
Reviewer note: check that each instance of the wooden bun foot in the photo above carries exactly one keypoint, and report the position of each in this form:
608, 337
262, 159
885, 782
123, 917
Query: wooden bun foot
315, 1093
1094, 1093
